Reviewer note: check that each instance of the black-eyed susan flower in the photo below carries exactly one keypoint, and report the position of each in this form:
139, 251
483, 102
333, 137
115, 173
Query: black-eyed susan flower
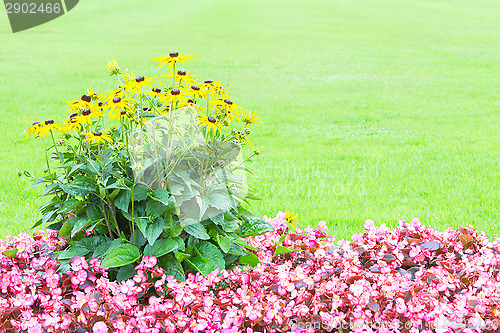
191, 103
209, 122
138, 84
153, 92
249, 118
85, 102
48, 127
172, 59
72, 123
113, 67
217, 89
118, 103
183, 77
196, 92
33, 129
98, 137
117, 114
173, 96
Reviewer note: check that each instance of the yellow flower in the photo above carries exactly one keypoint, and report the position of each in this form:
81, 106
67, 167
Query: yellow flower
113, 67
217, 89
72, 123
48, 127
154, 92
118, 103
249, 117
209, 122
290, 216
117, 114
172, 59
183, 78
98, 137
173, 96
190, 102
82, 104
196, 92
139, 83
230, 109
33, 129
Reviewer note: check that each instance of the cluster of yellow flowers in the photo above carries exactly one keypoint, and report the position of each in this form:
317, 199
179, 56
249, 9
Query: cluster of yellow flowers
127, 105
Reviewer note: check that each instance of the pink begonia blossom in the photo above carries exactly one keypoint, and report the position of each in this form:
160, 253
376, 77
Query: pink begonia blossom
409, 274
100, 327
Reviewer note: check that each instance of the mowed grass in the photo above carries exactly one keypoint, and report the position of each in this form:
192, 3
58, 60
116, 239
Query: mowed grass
378, 109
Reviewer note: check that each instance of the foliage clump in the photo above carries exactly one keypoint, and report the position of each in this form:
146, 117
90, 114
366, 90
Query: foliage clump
151, 169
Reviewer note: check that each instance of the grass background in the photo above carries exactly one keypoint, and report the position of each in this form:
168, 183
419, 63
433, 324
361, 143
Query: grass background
376, 109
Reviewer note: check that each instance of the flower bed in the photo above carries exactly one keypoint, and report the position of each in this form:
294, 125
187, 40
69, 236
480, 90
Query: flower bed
408, 279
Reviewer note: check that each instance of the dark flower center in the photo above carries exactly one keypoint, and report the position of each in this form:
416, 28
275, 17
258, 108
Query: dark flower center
123, 112
86, 98
190, 101
86, 112
228, 101
175, 92
73, 115
212, 119
49, 122
145, 109
157, 90
116, 100
174, 54
97, 133
208, 81
35, 123
195, 88
181, 72
139, 79
100, 103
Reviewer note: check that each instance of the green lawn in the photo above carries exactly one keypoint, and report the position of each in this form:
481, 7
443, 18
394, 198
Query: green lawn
371, 108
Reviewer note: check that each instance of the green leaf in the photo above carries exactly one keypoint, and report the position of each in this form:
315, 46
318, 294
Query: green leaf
69, 204
249, 260
181, 256
224, 242
123, 199
243, 242
36, 183
81, 186
220, 201
121, 255
200, 264
125, 272
172, 267
79, 225
101, 250
218, 219
212, 253
73, 251
49, 188
94, 167
254, 227
140, 193
91, 243
68, 225
230, 225
280, 249
161, 247
197, 230
164, 197
150, 230
10, 253
237, 250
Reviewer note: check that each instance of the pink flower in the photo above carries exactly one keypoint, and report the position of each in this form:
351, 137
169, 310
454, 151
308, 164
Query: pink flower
100, 327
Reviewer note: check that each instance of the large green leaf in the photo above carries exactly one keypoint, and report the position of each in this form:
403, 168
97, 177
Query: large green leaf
224, 242
230, 225
73, 251
200, 264
123, 199
121, 255
92, 243
150, 230
172, 267
163, 196
140, 193
212, 253
254, 226
249, 260
81, 186
197, 230
161, 247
